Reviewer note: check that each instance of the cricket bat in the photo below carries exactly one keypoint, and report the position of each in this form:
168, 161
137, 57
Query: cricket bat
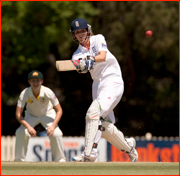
65, 65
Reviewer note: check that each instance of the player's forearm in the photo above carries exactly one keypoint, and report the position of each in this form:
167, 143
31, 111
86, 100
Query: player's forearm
19, 116
101, 57
21, 120
57, 118
59, 113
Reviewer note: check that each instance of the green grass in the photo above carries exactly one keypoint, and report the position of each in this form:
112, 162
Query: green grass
100, 168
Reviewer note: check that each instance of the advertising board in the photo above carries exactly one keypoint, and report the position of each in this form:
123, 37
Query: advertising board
39, 148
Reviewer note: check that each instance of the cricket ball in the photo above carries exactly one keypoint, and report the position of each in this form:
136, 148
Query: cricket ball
149, 33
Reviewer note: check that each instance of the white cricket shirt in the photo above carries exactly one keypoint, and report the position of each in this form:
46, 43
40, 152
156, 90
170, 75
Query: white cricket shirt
40, 106
102, 70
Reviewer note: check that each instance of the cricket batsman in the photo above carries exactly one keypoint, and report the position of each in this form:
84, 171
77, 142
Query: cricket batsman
93, 56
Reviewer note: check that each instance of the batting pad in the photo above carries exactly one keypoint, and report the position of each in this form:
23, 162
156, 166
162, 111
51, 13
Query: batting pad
115, 137
92, 121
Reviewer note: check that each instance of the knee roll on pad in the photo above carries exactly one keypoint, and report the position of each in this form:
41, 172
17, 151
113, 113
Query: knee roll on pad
92, 121
115, 137
93, 111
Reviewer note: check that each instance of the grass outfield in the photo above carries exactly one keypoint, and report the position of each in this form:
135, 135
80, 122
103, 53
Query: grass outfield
100, 168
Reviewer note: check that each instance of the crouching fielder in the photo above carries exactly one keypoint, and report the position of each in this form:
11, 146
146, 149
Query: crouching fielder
93, 56
43, 107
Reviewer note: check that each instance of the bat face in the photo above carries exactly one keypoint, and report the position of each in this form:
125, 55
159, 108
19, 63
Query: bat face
65, 65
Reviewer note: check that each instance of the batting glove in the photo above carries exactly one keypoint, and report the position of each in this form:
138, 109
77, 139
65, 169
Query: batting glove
85, 64
90, 61
79, 64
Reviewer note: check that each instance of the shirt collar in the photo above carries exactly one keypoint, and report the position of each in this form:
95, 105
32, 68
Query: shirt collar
41, 92
30, 92
40, 95
82, 48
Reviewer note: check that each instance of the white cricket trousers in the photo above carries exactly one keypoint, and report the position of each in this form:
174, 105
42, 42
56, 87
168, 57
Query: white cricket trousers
108, 93
22, 137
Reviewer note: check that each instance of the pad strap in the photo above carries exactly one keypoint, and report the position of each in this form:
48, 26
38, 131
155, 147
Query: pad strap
101, 128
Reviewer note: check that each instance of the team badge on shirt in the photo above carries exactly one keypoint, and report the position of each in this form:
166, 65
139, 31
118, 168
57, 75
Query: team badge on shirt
54, 96
103, 45
94, 50
42, 100
30, 101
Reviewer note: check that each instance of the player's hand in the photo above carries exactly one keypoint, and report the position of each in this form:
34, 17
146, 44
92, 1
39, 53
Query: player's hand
84, 65
87, 63
31, 131
50, 130
90, 61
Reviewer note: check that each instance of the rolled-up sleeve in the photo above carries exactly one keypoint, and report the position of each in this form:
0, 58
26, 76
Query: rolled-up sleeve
22, 99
